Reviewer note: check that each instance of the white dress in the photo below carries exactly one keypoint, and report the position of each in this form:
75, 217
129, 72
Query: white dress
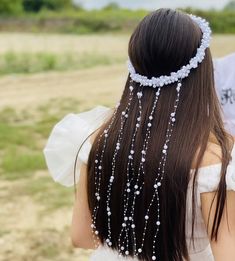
60, 152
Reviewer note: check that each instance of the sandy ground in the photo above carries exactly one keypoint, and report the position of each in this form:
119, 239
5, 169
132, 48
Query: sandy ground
109, 44
95, 86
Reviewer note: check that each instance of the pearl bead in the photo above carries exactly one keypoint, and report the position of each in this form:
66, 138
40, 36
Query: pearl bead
133, 225
153, 257
140, 250
126, 252
146, 217
158, 223
96, 232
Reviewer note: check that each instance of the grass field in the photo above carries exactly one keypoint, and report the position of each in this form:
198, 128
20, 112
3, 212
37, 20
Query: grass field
35, 212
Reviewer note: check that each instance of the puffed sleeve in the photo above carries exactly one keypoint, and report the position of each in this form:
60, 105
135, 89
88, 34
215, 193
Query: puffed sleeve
67, 137
209, 177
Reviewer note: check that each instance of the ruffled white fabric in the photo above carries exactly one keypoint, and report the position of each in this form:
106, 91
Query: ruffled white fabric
60, 153
65, 140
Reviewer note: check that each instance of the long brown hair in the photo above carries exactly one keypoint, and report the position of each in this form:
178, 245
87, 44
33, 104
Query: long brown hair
163, 42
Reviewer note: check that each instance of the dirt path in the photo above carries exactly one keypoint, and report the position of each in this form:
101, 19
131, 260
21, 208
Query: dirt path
92, 85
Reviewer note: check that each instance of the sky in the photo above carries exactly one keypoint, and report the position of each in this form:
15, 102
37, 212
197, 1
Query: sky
154, 4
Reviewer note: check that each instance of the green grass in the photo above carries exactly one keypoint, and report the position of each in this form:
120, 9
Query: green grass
23, 136
13, 62
55, 197
16, 164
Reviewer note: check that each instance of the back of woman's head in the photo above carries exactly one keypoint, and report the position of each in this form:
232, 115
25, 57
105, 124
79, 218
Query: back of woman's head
121, 180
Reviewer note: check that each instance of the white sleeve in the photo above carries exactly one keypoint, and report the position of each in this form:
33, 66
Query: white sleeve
64, 142
209, 177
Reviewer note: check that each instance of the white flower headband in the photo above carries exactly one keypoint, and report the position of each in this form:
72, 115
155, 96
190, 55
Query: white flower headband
185, 70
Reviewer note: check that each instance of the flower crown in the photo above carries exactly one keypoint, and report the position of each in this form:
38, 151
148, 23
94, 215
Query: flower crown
185, 70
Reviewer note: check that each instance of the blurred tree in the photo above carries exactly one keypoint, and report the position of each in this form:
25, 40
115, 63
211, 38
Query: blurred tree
111, 6
32, 5
57, 4
230, 6
10, 7
37, 5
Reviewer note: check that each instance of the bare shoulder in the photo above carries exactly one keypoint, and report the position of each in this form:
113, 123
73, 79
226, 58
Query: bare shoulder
213, 154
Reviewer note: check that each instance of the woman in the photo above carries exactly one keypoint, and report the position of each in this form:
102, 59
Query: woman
160, 178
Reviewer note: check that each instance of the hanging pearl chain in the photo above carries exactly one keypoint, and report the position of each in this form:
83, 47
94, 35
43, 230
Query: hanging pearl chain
97, 176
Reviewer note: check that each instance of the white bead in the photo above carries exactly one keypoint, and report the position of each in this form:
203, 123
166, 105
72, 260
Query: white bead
126, 252
128, 190
143, 152
158, 223
146, 217
136, 186
100, 167
123, 112
133, 225
109, 213
132, 151
140, 250
159, 184
137, 192
125, 218
149, 124
122, 248
96, 161
96, 232
110, 243
123, 224
143, 159
131, 88
153, 257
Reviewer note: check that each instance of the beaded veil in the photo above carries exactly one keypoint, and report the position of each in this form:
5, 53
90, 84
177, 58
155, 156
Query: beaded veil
134, 184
